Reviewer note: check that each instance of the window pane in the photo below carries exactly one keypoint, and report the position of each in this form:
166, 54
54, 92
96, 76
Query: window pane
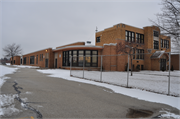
81, 52
80, 62
94, 52
88, 60
74, 52
94, 59
88, 52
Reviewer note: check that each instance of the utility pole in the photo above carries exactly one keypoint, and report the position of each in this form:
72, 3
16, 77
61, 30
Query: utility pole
96, 29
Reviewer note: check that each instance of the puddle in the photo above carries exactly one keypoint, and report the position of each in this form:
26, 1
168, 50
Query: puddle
138, 113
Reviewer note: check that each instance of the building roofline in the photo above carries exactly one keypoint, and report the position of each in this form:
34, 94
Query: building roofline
36, 51
68, 44
79, 46
119, 24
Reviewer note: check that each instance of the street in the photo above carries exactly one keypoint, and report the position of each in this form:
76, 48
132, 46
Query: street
48, 97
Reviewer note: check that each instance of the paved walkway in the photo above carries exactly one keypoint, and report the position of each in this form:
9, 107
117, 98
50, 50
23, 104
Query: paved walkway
59, 98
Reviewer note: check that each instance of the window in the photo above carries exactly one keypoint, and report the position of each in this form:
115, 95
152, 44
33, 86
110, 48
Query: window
37, 59
91, 58
81, 58
14, 61
88, 58
140, 54
166, 44
98, 39
74, 62
156, 44
162, 43
129, 36
31, 59
156, 34
41, 57
24, 60
133, 53
139, 38
94, 58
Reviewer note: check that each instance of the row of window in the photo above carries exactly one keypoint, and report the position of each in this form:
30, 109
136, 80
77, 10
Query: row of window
32, 59
130, 37
164, 43
91, 59
139, 54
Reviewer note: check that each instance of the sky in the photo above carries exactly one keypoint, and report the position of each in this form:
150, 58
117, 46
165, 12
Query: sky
41, 24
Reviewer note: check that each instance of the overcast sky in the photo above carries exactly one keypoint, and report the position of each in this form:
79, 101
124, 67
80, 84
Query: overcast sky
40, 24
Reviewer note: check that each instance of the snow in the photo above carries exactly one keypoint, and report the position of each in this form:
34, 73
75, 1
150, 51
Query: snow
6, 100
6, 70
8, 63
135, 93
25, 66
169, 115
154, 81
7, 105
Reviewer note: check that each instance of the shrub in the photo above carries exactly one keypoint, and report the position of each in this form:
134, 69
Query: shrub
163, 68
172, 68
138, 67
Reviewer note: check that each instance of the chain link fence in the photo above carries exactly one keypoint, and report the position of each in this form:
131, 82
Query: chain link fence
144, 71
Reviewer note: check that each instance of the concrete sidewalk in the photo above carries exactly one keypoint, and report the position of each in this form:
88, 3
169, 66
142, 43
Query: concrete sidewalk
59, 98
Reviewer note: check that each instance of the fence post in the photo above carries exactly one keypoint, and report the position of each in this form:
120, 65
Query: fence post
128, 71
83, 65
101, 69
70, 64
169, 73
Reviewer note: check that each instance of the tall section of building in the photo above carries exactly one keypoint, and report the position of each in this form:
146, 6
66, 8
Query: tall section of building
141, 41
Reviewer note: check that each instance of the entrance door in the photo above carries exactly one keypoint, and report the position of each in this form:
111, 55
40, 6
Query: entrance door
55, 63
163, 64
46, 63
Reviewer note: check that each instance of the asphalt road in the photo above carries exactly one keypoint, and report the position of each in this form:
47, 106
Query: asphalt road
59, 98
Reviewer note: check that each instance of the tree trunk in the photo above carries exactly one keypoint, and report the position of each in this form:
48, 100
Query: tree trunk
131, 66
12, 60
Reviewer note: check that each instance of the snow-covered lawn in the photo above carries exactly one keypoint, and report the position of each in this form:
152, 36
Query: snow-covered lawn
6, 100
154, 81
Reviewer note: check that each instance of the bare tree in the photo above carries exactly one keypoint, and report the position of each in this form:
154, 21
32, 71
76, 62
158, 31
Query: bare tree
127, 48
169, 20
12, 50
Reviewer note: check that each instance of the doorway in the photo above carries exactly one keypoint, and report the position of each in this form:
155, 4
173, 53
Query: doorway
55, 63
46, 63
163, 64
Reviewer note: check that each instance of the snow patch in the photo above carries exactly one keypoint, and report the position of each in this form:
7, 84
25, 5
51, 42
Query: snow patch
7, 105
25, 66
169, 115
28, 92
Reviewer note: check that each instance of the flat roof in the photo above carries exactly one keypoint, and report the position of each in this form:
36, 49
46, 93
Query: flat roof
80, 47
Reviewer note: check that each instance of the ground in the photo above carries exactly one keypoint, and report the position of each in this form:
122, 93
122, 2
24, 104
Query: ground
55, 97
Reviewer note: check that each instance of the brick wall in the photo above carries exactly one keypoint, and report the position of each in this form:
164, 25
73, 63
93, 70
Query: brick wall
40, 63
16, 59
175, 61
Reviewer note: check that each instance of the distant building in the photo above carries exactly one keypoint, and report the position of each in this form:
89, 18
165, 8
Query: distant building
108, 42
4, 61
